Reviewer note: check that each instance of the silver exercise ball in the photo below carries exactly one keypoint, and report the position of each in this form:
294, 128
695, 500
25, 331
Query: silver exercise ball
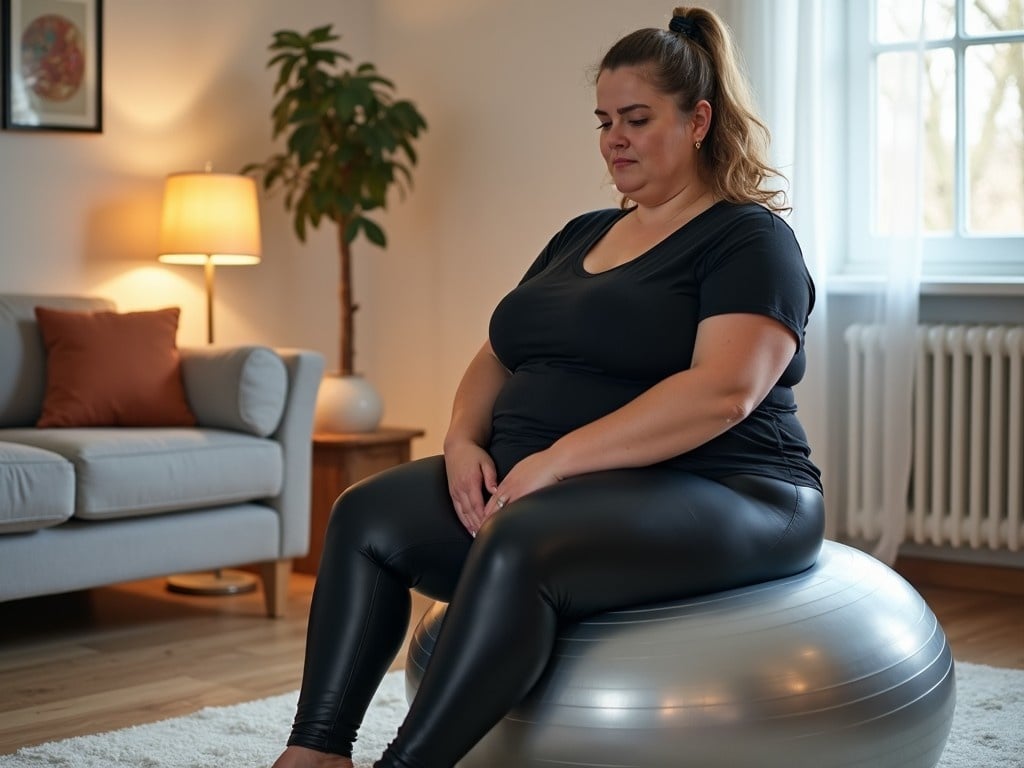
841, 665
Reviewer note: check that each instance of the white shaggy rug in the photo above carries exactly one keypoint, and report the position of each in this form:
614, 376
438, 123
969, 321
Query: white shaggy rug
988, 731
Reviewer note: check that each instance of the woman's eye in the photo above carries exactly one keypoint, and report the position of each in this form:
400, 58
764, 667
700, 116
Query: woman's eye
635, 123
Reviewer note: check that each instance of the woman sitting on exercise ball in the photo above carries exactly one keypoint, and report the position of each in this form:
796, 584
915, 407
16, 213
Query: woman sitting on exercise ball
627, 434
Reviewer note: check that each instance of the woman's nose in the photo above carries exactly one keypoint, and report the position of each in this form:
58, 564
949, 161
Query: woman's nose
615, 138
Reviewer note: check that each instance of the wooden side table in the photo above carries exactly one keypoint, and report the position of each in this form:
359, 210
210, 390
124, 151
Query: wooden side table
339, 460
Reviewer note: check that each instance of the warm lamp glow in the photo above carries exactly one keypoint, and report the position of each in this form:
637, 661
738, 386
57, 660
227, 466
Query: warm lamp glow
210, 219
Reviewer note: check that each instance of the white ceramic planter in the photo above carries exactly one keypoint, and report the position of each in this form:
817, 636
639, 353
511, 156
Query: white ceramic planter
347, 404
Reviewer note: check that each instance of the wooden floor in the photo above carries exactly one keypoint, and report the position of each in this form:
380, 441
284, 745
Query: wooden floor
108, 658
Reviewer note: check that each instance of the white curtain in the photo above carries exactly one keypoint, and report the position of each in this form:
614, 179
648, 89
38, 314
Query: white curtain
793, 51
896, 304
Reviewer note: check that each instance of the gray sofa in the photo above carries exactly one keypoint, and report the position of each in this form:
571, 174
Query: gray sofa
85, 507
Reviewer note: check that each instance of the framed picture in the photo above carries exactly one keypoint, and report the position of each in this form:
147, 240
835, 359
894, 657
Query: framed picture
52, 65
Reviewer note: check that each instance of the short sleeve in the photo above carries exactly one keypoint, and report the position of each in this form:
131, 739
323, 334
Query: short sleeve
759, 269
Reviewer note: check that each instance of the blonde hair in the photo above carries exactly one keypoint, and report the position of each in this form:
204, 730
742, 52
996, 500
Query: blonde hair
700, 62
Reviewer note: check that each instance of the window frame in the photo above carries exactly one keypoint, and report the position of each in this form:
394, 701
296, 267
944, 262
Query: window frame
946, 256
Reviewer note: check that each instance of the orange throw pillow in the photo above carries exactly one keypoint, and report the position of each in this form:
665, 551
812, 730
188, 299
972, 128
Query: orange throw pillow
107, 369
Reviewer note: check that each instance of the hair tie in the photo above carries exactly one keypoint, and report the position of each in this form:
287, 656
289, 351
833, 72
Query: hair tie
683, 26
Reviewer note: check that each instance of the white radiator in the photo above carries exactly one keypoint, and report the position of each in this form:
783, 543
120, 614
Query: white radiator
967, 483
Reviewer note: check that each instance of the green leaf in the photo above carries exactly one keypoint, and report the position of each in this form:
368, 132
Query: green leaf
345, 103
303, 142
411, 118
372, 139
351, 230
322, 35
378, 80
322, 199
373, 232
279, 118
409, 151
405, 172
287, 38
287, 67
319, 54
282, 57
345, 153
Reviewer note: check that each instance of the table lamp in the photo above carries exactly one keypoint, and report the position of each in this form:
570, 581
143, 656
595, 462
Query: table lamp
210, 219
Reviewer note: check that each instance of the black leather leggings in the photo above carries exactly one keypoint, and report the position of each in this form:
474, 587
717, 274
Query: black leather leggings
588, 544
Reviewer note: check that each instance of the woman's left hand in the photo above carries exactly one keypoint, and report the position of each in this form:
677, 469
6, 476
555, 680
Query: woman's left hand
534, 472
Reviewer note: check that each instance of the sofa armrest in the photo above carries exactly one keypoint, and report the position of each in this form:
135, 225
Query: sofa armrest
239, 388
295, 434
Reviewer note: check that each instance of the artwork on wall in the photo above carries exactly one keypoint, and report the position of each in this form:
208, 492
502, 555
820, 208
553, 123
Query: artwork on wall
52, 65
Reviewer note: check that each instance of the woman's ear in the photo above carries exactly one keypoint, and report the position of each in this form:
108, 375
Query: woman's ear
700, 122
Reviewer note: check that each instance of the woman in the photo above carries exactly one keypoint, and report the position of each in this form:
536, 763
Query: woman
627, 434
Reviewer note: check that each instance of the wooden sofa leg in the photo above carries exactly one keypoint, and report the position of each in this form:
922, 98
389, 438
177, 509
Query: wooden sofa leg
275, 574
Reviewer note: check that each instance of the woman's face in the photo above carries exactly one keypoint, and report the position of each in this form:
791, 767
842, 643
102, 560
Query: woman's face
646, 141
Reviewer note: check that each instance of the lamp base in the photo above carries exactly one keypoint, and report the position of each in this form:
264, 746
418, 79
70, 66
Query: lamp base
216, 583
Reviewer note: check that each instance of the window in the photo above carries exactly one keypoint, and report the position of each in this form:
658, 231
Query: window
972, 152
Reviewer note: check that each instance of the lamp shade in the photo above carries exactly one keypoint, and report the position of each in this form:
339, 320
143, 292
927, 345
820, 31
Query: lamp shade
210, 218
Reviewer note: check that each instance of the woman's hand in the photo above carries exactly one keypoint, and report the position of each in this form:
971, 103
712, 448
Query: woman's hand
536, 471
470, 472
470, 469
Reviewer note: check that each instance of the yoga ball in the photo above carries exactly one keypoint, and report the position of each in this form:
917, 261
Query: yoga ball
841, 665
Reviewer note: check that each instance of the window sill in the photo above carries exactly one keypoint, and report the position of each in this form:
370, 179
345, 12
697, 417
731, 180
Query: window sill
951, 286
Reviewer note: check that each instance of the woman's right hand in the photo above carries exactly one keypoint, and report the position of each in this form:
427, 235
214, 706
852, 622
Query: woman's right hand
470, 471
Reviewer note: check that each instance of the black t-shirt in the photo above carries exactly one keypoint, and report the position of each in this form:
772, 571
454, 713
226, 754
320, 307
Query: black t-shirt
580, 345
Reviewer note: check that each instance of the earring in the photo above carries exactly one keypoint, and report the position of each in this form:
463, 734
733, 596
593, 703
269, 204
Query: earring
696, 144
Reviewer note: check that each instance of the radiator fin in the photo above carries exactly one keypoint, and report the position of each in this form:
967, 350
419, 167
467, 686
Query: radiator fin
967, 479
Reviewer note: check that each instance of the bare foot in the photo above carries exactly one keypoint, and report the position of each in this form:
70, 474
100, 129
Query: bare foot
301, 757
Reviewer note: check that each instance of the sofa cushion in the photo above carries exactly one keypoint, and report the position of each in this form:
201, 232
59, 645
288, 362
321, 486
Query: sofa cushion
112, 369
37, 488
239, 388
123, 472
23, 372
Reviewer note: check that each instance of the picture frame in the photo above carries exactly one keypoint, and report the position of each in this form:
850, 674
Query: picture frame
53, 65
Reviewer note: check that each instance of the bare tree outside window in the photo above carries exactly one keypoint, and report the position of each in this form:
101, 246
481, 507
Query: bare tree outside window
973, 181
995, 138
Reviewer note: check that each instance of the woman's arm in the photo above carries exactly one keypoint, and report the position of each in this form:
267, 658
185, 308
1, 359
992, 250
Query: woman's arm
470, 468
737, 359
474, 398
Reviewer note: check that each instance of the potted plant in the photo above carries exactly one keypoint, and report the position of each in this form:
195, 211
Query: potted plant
348, 142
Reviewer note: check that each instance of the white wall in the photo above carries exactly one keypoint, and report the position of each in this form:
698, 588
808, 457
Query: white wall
510, 154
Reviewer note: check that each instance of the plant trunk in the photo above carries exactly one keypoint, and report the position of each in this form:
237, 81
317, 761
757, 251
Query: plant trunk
346, 324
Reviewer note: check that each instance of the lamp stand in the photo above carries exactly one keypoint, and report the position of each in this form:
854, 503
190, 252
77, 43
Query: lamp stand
222, 581
208, 273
